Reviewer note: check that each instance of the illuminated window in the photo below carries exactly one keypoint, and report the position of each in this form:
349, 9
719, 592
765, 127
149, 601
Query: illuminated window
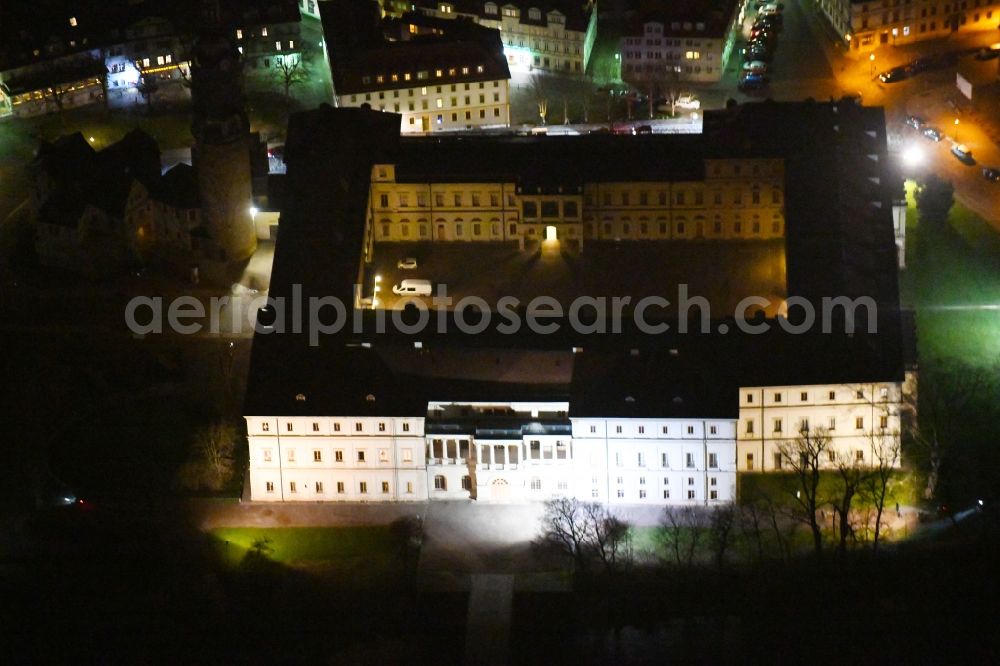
72, 21
692, 55
263, 31
438, 73
159, 60
239, 34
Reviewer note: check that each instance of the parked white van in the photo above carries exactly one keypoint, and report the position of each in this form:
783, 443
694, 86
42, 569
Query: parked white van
412, 288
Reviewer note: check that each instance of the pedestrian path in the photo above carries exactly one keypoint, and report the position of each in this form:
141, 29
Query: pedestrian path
487, 634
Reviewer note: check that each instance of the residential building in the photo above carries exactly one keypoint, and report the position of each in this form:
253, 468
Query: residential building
78, 200
309, 8
672, 42
439, 75
554, 36
865, 25
118, 51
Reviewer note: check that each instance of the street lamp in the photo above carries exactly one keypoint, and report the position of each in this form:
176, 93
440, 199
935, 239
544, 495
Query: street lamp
375, 290
956, 130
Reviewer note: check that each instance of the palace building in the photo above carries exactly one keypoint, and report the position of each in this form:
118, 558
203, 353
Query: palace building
380, 411
575, 189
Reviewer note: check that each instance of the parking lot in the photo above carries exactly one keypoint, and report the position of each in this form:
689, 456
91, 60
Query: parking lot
723, 272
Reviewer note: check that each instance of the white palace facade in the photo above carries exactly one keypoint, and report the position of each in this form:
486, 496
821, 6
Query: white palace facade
534, 451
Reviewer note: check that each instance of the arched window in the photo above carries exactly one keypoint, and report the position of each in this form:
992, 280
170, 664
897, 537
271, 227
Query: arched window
440, 483
466, 482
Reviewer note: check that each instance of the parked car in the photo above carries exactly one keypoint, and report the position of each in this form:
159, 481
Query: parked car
689, 102
413, 288
770, 22
755, 52
642, 129
752, 81
914, 122
919, 65
989, 52
991, 174
963, 154
407, 264
893, 75
757, 66
932, 134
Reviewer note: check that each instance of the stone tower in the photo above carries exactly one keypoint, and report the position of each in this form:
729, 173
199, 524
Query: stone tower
221, 153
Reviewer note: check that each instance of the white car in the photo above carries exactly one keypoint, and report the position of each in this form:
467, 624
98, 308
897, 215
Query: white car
688, 102
407, 264
756, 66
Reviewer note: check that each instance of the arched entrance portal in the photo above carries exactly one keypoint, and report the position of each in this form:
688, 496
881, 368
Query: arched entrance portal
499, 490
551, 234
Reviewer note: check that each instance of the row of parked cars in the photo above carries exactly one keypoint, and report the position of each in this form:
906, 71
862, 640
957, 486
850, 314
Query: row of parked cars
959, 150
936, 61
760, 48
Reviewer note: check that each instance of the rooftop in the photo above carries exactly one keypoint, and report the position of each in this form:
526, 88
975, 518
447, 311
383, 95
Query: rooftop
363, 59
683, 18
838, 244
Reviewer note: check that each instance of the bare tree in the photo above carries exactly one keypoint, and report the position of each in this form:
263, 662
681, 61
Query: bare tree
290, 71
212, 459
57, 94
804, 457
951, 396
751, 522
877, 485
721, 522
851, 475
148, 86
609, 537
541, 97
681, 533
672, 95
565, 526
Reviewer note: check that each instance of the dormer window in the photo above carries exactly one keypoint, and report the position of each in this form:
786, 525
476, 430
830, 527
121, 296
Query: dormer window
535, 14
445, 8
511, 12
490, 8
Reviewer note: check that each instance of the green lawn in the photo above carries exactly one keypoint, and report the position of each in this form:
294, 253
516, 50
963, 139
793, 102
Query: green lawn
958, 266
343, 546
